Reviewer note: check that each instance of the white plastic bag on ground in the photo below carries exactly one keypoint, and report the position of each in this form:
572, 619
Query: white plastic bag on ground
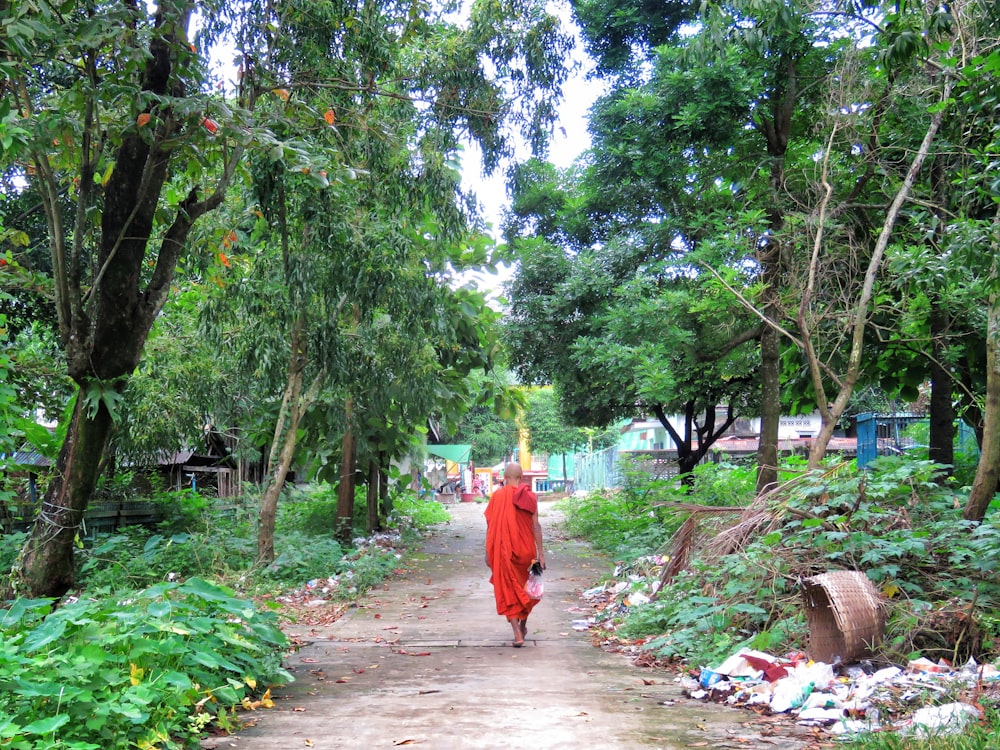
789, 693
949, 718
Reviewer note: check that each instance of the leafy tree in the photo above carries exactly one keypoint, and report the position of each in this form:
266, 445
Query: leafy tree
110, 105
113, 105
690, 151
616, 346
547, 429
490, 425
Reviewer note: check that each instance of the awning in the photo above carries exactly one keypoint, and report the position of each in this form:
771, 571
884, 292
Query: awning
459, 454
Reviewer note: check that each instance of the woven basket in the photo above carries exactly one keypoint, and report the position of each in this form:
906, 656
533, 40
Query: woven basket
846, 616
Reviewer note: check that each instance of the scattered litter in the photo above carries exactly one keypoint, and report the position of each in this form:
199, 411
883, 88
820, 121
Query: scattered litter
849, 699
947, 719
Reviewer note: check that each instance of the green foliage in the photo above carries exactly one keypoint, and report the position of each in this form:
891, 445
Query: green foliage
311, 510
10, 548
149, 671
977, 736
896, 522
416, 511
195, 539
547, 428
302, 557
614, 524
131, 558
639, 518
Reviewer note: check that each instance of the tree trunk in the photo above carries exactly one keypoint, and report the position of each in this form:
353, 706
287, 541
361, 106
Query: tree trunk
984, 486
941, 440
688, 456
286, 437
372, 497
46, 567
832, 412
770, 408
345, 491
269, 500
385, 499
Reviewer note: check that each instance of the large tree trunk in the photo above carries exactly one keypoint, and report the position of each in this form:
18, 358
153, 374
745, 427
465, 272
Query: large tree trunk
46, 567
984, 486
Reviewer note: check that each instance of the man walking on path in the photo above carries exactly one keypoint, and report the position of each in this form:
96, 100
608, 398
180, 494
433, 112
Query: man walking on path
513, 542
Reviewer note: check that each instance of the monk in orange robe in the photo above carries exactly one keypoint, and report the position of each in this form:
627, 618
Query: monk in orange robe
513, 542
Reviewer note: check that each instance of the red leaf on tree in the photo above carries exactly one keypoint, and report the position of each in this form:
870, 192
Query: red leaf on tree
142, 119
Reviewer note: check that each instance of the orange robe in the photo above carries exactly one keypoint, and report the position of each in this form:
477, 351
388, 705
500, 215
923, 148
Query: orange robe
510, 548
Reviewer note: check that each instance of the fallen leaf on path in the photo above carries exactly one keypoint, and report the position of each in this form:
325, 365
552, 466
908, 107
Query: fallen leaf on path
648, 682
391, 627
408, 742
310, 743
358, 670
308, 660
373, 666
343, 679
698, 744
298, 710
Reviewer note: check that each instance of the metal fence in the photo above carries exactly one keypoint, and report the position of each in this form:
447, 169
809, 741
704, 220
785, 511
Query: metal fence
603, 470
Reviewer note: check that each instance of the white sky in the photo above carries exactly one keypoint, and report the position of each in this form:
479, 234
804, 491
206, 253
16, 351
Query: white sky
570, 139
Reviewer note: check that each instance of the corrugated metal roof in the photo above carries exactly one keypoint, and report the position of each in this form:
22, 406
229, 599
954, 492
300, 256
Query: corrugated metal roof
30, 458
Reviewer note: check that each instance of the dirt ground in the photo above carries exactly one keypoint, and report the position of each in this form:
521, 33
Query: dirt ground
425, 660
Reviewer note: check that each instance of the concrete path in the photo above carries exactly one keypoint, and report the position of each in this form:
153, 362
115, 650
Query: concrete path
426, 661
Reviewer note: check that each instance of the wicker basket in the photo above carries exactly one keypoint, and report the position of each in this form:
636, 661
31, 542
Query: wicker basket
846, 616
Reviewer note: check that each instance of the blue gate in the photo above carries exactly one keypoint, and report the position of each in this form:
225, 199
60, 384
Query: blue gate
884, 435
867, 444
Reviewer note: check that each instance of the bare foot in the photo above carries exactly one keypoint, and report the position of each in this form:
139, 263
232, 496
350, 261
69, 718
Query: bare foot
518, 633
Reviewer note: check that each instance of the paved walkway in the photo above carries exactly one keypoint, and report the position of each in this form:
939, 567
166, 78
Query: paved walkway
426, 661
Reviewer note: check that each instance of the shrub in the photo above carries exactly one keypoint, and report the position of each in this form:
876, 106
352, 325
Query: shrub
149, 671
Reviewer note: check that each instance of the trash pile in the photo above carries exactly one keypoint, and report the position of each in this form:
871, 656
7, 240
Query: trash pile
845, 698
638, 582
322, 601
923, 699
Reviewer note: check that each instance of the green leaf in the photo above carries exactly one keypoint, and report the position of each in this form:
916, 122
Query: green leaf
47, 725
49, 631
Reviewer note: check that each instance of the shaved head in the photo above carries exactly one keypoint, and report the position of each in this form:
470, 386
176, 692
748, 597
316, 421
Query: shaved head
512, 472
